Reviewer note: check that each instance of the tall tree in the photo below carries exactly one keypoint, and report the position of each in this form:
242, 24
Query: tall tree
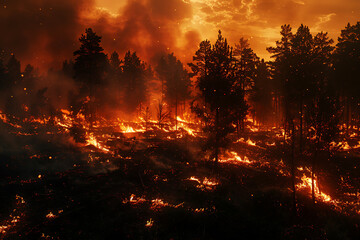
90, 66
219, 93
13, 71
176, 80
281, 73
12, 80
134, 80
323, 111
301, 70
262, 94
245, 70
347, 70
200, 66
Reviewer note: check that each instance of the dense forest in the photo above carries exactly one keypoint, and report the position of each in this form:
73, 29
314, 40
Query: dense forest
103, 119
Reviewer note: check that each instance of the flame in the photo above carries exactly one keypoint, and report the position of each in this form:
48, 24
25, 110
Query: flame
250, 142
14, 217
307, 184
158, 203
134, 200
184, 125
149, 223
50, 215
4, 118
206, 184
91, 140
235, 158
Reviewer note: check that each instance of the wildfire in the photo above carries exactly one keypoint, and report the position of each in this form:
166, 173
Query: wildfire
149, 223
134, 200
184, 125
158, 203
206, 184
235, 158
307, 184
248, 142
51, 215
4, 118
91, 140
14, 217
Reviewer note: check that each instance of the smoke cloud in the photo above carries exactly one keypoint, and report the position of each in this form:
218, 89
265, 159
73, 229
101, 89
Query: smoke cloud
44, 33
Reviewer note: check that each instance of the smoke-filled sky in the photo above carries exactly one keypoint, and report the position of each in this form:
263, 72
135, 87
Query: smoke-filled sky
45, 32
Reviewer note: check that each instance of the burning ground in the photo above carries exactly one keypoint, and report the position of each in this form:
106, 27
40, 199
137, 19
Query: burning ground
127, 182
226, 146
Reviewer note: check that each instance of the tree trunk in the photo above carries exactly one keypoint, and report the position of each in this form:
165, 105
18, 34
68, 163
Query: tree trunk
176, 113
217, 136
314, 159
301, 126
313, 177
293, 166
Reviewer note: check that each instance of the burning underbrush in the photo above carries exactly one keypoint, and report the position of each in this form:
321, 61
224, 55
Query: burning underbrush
64, 179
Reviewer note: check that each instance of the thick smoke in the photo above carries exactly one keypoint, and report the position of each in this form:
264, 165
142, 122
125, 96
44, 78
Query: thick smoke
147, 27
41, 32
44, 33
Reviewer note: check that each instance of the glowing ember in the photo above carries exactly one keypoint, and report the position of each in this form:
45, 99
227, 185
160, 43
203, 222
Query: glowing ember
307, 184
235, 158
158, 203
208, 184
91, 140
50, 215
14, 217
250, 142
134, 200
184, 125
149, 223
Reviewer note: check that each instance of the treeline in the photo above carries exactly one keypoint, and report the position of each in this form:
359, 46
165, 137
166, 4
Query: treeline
93, 82
309, 86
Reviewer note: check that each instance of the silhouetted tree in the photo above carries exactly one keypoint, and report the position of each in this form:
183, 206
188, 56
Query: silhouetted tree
12, 80
13, 71
301, 72
303, 65
219, 93
323, 110
262, 94
246, 62
134, 80
90, 66
281, 72
200, 66
347, 70
163, 113
176, 80
115, 61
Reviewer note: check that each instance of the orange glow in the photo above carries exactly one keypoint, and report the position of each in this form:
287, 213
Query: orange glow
14, 218
233, 157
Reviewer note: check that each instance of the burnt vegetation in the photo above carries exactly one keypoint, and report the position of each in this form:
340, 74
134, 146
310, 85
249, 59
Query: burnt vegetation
228, 146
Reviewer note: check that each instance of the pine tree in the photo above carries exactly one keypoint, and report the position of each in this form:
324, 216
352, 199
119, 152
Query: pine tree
218, 93
176, 81
134, 81
89, 67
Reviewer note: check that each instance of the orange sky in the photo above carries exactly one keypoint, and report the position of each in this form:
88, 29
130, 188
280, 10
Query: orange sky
45, 33
259, 20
